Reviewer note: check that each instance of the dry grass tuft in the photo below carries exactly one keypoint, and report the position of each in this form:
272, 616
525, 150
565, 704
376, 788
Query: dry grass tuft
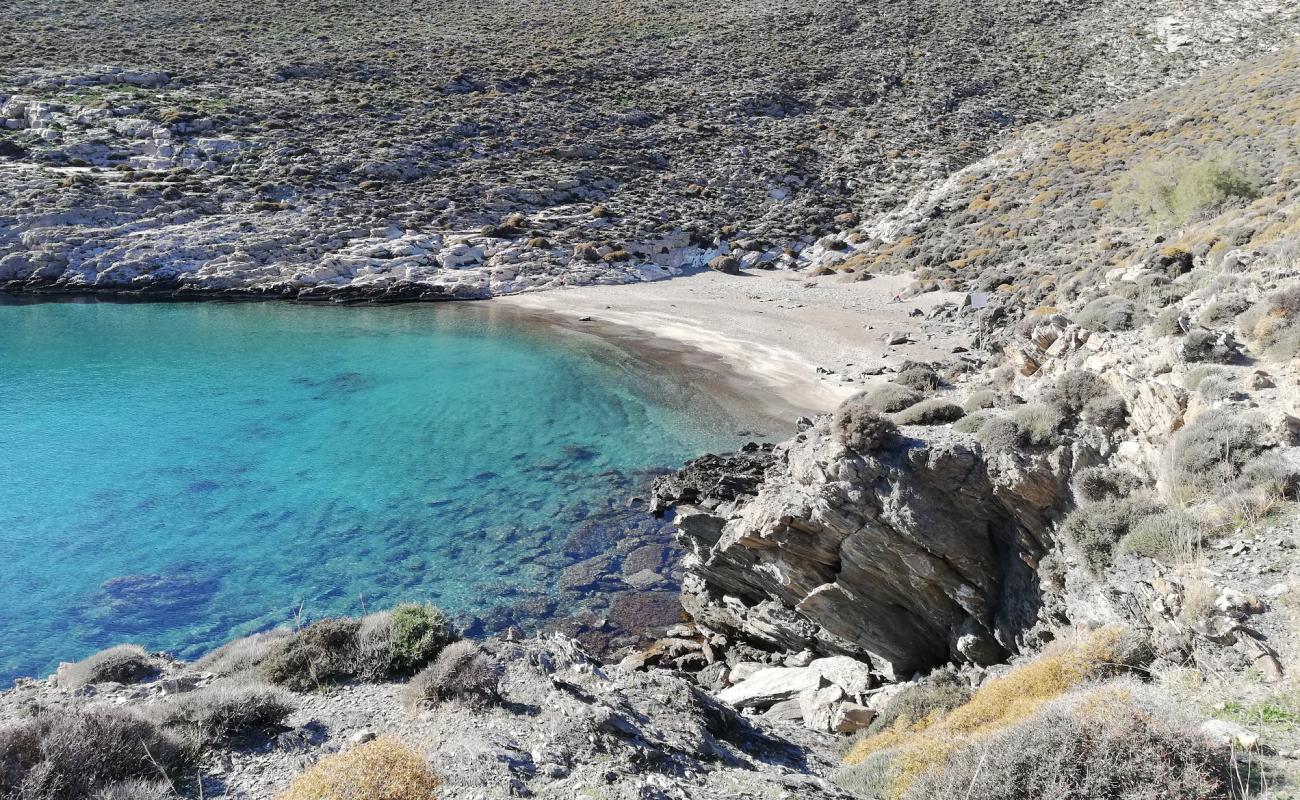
383, 769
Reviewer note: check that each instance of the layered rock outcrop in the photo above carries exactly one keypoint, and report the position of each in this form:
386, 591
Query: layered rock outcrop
910, 557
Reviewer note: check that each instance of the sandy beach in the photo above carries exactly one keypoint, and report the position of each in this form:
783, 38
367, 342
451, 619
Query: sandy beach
798, 345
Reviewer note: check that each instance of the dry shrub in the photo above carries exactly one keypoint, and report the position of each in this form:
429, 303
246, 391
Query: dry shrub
125, 663
974, 421
463, 671
1091, 484
214, 713
136, 790
1173, 537
382, 769
69, 753
859, 426
982, 399
241, 655
1038, 424
1095, 529
1107, 314
1117, 742
920, 747
1211, 452
934, 411
322, 653
920, 377
1273, 324
891, 397
1083, 394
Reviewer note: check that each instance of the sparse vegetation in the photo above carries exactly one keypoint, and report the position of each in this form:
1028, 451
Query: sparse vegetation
1101, 483
70, 753
1172, 536
1272, 326
919, 750
1108, 314
383, 769
213, 714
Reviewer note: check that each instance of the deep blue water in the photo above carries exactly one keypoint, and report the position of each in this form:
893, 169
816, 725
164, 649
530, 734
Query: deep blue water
178, 474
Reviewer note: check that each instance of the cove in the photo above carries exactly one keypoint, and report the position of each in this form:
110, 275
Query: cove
177, 474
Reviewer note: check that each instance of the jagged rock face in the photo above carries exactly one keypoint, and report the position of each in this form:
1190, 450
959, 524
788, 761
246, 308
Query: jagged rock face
908, 558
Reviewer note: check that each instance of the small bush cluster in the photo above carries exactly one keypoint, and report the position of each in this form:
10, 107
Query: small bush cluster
1272, 326
125, 663
935, 411
1112, 743
941, 693
382, 769
1095, 529
401, 641
1212, 451
1084, 395
908, 751
381, 645
215, 713
71, 753
463, 671
858, 426
975, 420
984, 398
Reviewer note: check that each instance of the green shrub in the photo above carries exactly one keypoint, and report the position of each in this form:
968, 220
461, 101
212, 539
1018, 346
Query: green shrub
1095, 529
241, 655
69, 753
1107, 744
891, 397
215, 713
125, 663
463, 671
857, 425
935, 411
320, 654
419, 634
1174, 193
1211, 451
1171, 537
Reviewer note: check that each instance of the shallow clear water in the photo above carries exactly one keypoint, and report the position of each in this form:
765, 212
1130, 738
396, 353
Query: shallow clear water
177, 474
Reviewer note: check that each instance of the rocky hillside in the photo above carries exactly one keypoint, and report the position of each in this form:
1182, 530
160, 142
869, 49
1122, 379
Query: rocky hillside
1124, 448
439, 150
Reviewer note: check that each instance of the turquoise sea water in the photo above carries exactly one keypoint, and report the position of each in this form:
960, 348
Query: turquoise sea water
178, 474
